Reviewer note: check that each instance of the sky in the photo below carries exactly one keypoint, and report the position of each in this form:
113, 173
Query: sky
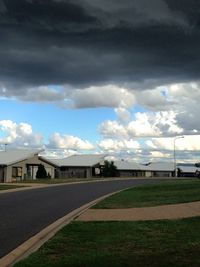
101, 76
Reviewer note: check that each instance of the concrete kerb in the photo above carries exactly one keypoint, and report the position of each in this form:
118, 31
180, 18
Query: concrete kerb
32, 186
36, 241
22, 187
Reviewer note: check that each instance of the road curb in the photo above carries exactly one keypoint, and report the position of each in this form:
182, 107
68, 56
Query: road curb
36, 241
38, 186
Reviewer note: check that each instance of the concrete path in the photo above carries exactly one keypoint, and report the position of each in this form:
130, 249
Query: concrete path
177, 211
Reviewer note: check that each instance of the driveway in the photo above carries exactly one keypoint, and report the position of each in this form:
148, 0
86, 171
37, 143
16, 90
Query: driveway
25, 213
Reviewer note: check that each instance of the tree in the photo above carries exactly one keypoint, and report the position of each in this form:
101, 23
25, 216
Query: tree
41, 172
179, 172
109, 169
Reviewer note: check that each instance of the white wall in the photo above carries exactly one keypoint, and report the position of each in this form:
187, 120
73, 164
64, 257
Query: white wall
148, 174
22, 164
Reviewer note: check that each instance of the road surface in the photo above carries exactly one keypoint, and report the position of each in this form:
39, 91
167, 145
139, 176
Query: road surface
25, 213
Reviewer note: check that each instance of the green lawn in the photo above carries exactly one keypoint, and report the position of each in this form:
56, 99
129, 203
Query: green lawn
6, 187
119, 244
154, 195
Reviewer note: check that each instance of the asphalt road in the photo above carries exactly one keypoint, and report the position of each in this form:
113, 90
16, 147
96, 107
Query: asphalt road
25, 213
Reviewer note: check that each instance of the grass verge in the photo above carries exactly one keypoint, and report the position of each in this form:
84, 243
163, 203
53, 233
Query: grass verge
6, 187
153, 195
118, 244
58, 181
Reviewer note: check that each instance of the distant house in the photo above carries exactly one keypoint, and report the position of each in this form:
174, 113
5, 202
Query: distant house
187, 170
158, 169
79, 166
132, 169
128, 169
22, 164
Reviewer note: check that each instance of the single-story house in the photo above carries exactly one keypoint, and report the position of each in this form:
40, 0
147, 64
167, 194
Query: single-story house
79, 166
128, 169
158, 169
132, 169
22, 164
187, 171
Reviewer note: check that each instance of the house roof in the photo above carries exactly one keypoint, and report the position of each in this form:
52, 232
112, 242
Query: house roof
127, 165
10, 157
49, 161
189, 169
158, 166
79, 160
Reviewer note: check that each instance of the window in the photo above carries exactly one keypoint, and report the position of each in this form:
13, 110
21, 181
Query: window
16, 172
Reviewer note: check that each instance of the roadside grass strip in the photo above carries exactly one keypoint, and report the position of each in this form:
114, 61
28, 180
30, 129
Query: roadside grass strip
7, 187
118, 244
60, 181
153, 195
52, 181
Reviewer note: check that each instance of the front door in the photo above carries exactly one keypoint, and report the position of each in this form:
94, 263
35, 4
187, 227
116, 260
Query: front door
1, 174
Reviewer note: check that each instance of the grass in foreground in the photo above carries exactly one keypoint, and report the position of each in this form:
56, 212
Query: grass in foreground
154, 195
119, 244
6, 187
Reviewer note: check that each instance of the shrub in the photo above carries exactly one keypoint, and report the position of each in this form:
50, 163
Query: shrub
41, 172
109, 169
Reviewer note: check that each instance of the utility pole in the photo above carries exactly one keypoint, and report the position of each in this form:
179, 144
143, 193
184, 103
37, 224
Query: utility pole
175, 170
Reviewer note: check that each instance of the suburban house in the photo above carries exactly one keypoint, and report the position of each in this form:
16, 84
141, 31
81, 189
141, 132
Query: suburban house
22, 164
188, 170
158, 169
128, 169
132, 169
79, 166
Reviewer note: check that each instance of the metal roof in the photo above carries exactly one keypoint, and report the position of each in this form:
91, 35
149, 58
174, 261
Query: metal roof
10, 157
49, 161
127, 165
189, 169
79, 160
158, 166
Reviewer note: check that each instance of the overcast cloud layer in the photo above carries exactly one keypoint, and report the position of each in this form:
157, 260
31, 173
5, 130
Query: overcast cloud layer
88, 42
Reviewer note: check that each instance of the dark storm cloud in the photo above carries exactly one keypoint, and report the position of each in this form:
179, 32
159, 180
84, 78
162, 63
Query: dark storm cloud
87, 42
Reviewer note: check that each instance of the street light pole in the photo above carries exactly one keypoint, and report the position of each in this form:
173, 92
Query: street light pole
175, 170
5, 147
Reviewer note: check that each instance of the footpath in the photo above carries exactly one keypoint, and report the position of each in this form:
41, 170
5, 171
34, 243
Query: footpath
177, 211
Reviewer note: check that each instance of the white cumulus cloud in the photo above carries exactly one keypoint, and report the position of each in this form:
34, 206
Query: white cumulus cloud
188, 142
18, 134
144, 124
123, 114
57, 140
113, 145
102, 96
